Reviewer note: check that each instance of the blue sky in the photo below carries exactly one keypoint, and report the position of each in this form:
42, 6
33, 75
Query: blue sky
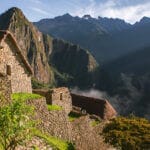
130, 10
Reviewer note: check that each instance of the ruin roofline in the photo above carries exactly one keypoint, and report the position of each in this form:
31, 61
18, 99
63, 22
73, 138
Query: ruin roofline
7, 34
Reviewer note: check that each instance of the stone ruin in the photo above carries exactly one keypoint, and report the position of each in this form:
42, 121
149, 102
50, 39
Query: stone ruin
57, 96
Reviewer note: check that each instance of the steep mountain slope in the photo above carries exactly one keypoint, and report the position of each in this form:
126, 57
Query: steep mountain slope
41, 50
119, 38
127, 79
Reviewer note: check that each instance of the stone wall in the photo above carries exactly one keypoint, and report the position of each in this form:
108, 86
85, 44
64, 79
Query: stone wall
85, 137
5, 90
11, 65
57, 96
53, 122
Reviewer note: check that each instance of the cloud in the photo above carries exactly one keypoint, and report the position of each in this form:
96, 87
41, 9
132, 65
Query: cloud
115, 9
36, 1
38, 10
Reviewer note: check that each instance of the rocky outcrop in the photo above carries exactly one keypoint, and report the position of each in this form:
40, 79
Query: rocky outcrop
71, 59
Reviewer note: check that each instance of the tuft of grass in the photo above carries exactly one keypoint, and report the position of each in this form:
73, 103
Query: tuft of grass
95, 123
25, 96
56, 143
73, 116
35, 147
54, 107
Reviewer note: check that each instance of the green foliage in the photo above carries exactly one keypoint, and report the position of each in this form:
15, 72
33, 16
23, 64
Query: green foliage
15, 124
95, 123
54, 107
73, 116
25, 96
130, 133
56, 143
38, 85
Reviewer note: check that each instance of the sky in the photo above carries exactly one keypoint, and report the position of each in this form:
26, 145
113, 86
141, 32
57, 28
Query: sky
129, 10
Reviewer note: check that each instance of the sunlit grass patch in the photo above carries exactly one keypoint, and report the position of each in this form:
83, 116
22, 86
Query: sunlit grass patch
25, 96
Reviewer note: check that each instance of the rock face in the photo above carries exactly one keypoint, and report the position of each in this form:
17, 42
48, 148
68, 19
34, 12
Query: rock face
50, 59
70, 59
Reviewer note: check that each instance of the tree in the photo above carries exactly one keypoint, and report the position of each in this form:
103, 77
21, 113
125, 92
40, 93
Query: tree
15, 124
131, 133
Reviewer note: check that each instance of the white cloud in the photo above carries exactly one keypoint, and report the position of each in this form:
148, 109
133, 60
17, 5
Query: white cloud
38, 10
110, 9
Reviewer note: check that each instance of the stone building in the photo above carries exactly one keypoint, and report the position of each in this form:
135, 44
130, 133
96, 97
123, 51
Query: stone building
58, 96
99, 107
13, 64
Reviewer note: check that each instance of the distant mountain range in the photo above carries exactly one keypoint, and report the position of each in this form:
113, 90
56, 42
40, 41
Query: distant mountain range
106, 38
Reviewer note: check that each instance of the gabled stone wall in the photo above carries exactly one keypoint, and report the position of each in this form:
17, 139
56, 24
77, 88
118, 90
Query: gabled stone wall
5, 90
12, 66
57, 96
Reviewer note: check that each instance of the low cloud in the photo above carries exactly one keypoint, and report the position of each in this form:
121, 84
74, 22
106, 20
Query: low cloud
90, 93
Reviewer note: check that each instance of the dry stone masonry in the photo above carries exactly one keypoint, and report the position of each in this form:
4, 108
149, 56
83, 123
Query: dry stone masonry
5, 90
14, 65
58, 96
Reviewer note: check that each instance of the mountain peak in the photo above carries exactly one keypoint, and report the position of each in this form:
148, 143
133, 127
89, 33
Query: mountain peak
145, 20
15, 10
86, 17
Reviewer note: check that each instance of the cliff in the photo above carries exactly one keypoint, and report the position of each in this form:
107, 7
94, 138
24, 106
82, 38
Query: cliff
51, 59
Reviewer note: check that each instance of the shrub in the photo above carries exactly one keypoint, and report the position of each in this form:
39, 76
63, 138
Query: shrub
15, 124
131, 133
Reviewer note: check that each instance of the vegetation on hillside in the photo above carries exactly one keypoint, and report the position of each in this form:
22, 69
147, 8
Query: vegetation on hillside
15, 124
17, 127
131, 133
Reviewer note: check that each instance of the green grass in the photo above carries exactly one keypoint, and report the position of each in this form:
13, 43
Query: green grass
95, 123
25, 96
54, 107
73, 116
34, 147
56, 143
